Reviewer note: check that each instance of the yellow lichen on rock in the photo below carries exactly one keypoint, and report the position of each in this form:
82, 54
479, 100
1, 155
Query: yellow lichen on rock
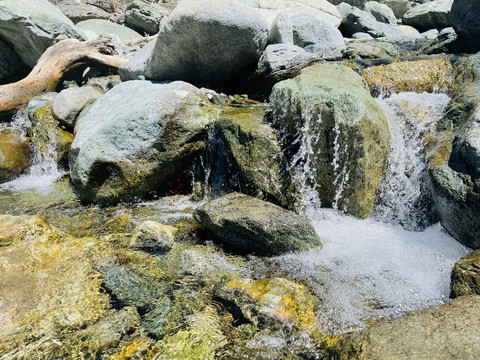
421, 75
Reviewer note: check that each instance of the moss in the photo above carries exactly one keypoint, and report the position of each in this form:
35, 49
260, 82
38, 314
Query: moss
15, 155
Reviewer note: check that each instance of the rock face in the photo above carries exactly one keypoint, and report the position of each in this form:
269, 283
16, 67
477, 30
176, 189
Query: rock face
346, 129
317, 37
138, 136
465, 19
446, 332
466, 276
256, 154
430, 15
145, 16
207, 41
453, 162
15, 156
257, 226
31, 26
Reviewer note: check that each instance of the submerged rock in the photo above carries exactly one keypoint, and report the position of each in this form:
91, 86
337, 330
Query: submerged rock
207, 41
466, 275
137, 137
152, 235
15, 154
31, 26
328, 108
257, 226
445, 332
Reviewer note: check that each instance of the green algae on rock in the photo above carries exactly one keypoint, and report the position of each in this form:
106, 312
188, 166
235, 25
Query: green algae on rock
15, 154
466, 275
329, 108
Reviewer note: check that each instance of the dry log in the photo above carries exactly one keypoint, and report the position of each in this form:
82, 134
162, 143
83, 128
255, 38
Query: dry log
58, 59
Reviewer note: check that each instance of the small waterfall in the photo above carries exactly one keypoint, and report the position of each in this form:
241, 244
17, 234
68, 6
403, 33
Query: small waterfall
404, 195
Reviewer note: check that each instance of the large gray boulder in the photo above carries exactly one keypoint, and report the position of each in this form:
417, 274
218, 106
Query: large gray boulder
355, 20
145, 16
347, 133
137, 137
257, 226
465, 19
430, 15
137, 65
31, 26
317, 37
207, 41
9, 61
381, 12
444, 332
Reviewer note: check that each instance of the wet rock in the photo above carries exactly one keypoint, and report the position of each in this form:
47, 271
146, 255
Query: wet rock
15, 154
132, 289
205, 264
430, 15
449, 331
465, 19
355, 20
137, 137
332, 99
194, 46
24, 228
280, 61
152, 235
155, 321
466, 276
317, 37
272, 300
69, 102
256, 154
381, 12
94, 28
145, 16
31, 26
78, 11
136, 67
417, 76
257, 226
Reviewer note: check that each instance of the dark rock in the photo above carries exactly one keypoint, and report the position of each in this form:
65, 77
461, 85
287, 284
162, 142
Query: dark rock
465, 19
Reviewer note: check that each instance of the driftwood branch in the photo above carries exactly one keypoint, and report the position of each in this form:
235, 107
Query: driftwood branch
52, 65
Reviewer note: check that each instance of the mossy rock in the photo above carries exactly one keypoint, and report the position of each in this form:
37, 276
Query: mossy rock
466, 276
15, 154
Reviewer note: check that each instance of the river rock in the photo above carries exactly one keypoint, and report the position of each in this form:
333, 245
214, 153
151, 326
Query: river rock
357, 3
466, 275
355, 20
257, 226
15, 154
69, 102
138, 136
78, 11
107, 5
193, 45
465, 19
381, 12
94, 28
332, 99
151, 235
9, 61
281, 31
445, 332
430, 15
364, 50
256, 154
399, 7
136, 67
317, 37
145, 16
31, 26
205, 265
280, 61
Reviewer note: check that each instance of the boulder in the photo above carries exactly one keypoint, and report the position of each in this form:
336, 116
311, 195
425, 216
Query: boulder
256, 154
346, 130
430, 15
145, 16
281, 31
15, 154
321, 9
207, 41
94, 28
355, 20
409, 31
256, 226
31, 26
206, 265
69, 102
151, 235
360, 4
137, 65
78, 11
137, 137
448, 331
107, 5
466, 276
364, 50
317, 37
381, 12
9, 61
465, 19
399, 7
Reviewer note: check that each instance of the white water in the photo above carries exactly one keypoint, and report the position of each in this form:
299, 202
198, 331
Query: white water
376, 268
